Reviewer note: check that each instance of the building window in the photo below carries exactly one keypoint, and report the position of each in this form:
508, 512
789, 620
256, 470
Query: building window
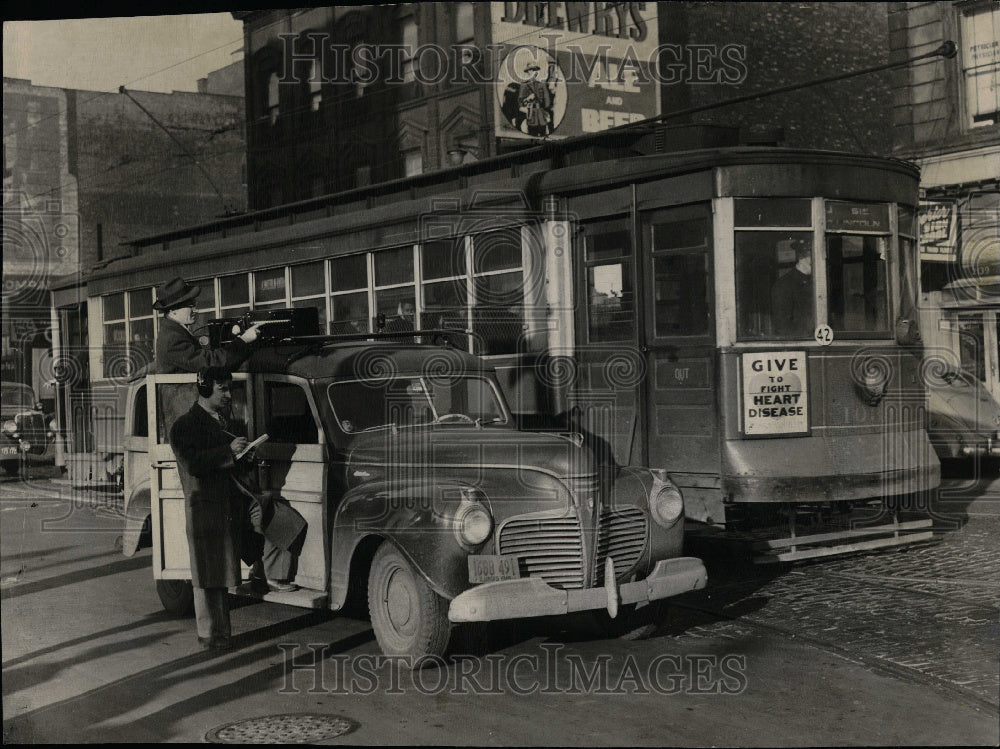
981, 65
413, 162
408, 34
465, 32
315, 86
272, 97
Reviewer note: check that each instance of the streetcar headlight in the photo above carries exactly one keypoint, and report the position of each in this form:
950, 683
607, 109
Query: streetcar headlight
10, 427
667, 505
473, 524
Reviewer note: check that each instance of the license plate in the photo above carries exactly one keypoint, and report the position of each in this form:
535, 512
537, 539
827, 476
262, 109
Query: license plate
489, 568
9, 450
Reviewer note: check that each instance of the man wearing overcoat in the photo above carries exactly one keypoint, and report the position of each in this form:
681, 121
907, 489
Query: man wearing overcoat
177, 350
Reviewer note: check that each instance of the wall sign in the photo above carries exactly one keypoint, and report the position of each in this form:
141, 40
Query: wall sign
775, 394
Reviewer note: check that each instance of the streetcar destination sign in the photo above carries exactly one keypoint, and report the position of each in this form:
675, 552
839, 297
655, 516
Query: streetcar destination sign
775, 393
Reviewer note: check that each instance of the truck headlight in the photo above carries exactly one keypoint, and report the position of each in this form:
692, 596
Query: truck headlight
667, 505
473, 524
10, 427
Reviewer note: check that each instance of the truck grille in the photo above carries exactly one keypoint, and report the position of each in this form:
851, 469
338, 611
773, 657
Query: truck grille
550, 548
621, 535
32, 427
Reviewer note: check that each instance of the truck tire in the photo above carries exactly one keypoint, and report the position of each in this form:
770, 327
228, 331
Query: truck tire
408, 617
177, 596
11, 467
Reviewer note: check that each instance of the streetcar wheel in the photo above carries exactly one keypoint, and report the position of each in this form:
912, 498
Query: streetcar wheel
177, 596
408, 617
11, 467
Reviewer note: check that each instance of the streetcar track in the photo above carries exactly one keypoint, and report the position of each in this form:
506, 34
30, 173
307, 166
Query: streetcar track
894, 669
886, 581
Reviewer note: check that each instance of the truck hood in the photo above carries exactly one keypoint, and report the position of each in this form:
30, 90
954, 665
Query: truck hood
470, 447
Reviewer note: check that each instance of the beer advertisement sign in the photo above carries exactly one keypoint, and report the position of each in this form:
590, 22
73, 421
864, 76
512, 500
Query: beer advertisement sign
565, 69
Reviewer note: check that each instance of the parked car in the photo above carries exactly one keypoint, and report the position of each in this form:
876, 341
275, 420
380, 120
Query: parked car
963, 418
26, 432
404, 460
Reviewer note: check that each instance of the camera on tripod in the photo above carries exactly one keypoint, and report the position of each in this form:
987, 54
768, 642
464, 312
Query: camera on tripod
276, 325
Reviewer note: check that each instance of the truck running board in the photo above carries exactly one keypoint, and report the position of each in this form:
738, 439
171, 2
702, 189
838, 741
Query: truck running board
303, 597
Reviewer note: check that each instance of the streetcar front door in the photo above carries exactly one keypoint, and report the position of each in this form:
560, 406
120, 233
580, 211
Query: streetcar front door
607, 398
679, 330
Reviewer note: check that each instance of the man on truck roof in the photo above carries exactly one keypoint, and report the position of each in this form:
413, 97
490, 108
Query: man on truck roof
177, 349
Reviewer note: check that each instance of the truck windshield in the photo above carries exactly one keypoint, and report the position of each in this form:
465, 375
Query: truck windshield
411, 401
17, 396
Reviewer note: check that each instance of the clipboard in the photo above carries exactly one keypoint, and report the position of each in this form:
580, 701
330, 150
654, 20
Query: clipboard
260, 440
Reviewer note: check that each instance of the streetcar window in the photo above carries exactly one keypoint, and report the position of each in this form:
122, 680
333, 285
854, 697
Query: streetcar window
394, 266
233, 291
682, 295
287, 415
773, 212
856, 283
610, 294
774, 285
498, 315
349, 303
269, 288
681, 279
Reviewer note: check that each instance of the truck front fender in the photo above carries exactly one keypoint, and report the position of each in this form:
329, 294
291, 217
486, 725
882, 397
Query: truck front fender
416, 518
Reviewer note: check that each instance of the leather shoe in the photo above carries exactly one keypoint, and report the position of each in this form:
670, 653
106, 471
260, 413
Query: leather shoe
277, 587
215, 643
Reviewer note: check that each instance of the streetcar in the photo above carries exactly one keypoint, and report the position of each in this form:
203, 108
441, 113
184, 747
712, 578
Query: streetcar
743, 318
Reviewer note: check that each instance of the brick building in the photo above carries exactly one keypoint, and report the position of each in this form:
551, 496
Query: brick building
946, 118
84, 173
314, 129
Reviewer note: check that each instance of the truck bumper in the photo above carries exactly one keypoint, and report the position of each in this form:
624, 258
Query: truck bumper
518, 599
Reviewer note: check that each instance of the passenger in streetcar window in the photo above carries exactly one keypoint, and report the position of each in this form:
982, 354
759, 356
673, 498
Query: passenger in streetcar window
177, 350
792, 314
403, 321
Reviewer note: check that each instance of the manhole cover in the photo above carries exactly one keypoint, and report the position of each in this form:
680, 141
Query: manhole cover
293, 728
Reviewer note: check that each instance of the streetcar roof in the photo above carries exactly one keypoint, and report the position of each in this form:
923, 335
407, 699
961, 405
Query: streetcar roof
495, 184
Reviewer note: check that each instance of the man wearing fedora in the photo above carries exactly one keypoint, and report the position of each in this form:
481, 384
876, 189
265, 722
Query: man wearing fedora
177, 350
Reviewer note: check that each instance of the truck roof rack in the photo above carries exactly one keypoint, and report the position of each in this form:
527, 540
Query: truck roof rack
316, 343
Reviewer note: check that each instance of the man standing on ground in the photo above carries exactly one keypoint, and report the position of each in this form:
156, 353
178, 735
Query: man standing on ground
218, 514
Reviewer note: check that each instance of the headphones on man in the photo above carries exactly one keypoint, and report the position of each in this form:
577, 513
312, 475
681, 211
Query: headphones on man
208, 376
205, 385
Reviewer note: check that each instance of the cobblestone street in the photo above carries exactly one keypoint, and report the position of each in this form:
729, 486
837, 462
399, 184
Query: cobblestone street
929, 613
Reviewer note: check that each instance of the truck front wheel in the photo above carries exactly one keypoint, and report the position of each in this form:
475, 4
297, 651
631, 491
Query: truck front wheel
408, 617
177, 596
